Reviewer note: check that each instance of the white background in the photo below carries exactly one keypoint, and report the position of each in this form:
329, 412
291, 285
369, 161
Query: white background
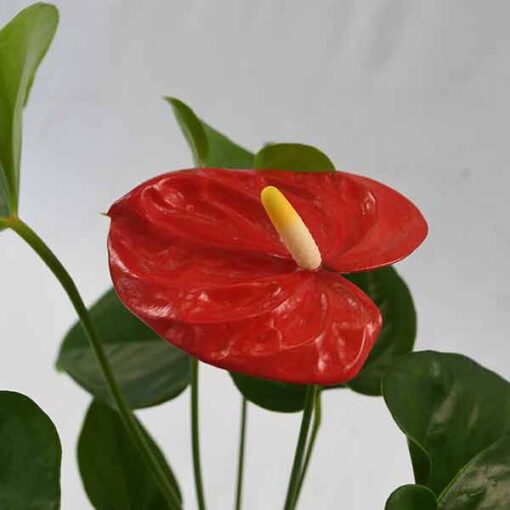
413, 93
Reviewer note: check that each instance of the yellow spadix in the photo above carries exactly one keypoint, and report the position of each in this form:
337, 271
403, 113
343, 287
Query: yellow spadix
293, 232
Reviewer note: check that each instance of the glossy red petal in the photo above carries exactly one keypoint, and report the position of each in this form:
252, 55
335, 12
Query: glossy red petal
214, 207
193, 254
358, 223
321, 334
163, 274
394, 228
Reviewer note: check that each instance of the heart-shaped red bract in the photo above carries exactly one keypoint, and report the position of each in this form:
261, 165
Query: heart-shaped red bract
193, 254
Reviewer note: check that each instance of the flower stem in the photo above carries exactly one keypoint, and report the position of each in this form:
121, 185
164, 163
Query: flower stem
242, 448
317, 418
300, 448
127, 416
195, 438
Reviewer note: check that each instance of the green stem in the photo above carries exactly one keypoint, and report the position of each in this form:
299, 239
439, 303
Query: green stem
242, 448
300, 448
195, 438
317, 418
128, 418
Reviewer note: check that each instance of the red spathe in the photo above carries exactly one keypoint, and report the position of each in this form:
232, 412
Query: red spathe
193, 254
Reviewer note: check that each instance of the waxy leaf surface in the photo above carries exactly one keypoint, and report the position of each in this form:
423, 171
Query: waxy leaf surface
412, 497
30, 456
456, 414
149, 370
271, 395
208, 146
390, 293
114, 474
484, 483
23, 44
293, 156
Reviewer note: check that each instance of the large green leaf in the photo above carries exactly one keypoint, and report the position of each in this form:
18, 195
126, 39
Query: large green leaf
293, 156
23, 44
389, 292
209, 147
114, 474
30, 455
412, 497
458, 414
420, 462
484, 483
271, 395
149, 370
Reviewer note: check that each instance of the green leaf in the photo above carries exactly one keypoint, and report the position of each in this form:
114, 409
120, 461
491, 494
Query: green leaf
271, 395
389, 292
412, 497
420, 462
458, 414
4, 198
23, 44
149, 370
30, 455
209, 147
293, 156
192, 128
484, 484
114, 474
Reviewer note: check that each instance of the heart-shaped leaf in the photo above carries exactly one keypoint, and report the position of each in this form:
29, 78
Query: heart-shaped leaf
457, 414
271, 395
484, 483
389, 292
293, 156
23, 44
114, 474
149, 370
209, 147
30, 455
412, 497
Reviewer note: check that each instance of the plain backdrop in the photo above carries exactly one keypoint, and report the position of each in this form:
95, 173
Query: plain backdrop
413, 93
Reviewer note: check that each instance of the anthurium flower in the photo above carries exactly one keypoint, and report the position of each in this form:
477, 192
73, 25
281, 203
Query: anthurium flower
195, 255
